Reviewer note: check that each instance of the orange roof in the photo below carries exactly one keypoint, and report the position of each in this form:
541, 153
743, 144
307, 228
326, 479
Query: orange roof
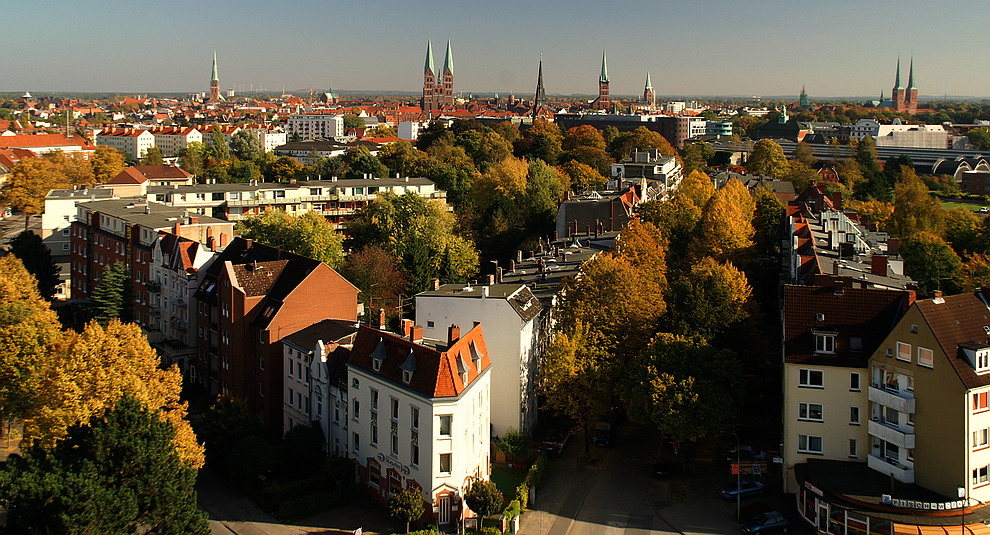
128, 176
42, 140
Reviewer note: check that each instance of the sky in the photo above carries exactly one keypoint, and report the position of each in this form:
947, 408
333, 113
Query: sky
691, 47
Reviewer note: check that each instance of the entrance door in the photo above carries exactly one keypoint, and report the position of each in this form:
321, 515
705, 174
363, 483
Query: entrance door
443, 516
822, 516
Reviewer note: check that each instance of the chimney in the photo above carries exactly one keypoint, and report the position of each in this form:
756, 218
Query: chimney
406, 327
248, 243
518, 257
435, 284
194, 220
381, 318
555, 236
878, 265
176, 228
937, 294
512, 266
498, 275
453, 334
490, 279
484, 292
416, 334
223, 240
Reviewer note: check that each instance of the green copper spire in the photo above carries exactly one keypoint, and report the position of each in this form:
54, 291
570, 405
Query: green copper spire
649, 83
911, 76
604, 77
897, 81
448, 60
429, 58
215, 77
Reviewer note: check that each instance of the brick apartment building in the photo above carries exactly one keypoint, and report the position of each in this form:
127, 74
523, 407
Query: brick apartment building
251, 297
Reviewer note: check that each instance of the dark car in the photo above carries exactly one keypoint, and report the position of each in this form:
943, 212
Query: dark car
769, 522
663, 469
744, 489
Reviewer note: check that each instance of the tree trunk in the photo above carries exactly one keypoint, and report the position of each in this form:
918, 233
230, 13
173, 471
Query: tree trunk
27, 220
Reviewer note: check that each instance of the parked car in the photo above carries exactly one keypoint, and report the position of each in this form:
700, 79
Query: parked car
746, 454
744, 489
983, 210
769, 522
663, 469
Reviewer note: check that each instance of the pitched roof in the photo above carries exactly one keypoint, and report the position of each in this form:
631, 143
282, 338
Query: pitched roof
956, 320
162, 172
129, 175
256, 278
43, 140
436, 370
865, 314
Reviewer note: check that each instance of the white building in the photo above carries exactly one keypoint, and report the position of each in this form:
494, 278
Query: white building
419, 416
131, 141
171, 139
60, 212
315, 126
227, 130
408, 130
511, 315
270, 137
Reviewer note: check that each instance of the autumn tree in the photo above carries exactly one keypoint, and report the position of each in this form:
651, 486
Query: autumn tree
75, 169
153, 156
975, 273
192, 158
724, 232
964, 231
642, 138
676, 220
696, 156
282, 169
484, 148
382, 130
804, 153
406, 506
29, 182
542, 140
308, 234
581, 177
111, 299
685, 387
929, 260
696, 187
593, 157
402, 158
378, 276
484, 499
119, 472
801, 175
107, 163
768, 220
877, 212
708, 299
915, 210
767, 158
360, 163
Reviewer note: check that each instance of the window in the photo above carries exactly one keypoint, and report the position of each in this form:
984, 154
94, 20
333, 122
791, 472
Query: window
65, 246
853, 448
979, 401
395, 443
891, 416
395, 408
811, 378
374, 399
980, 475
824, 343
982, 361
407, 376
854, 415
415, 417
854, 381
429, 324
357, 407
414, 449
810, 444
903, 351
925, 357
374, 434
980, 438
290, 365
376, 364
444, 463
445, 421
810, 411
291, 396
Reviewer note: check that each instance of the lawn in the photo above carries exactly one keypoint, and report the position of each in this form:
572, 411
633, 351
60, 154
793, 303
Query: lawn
507, 479
948, 205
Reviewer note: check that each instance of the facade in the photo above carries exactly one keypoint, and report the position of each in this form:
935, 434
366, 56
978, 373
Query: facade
270, 137
131, 141
651, 165
438, 87
419, 416
60, 212
511, 315
902, 99
40, 144
675, 129
250, 298
718, 128
596, 212
226, 130
171, 139
315, 126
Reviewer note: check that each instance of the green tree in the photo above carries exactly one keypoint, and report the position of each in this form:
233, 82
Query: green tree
514, 444
544, 189
241, 172
225, 423
153, 156
767, 158
283, 169
308, 234
111, 298
37, 259
403, 159
361, 162
708, 299
980, 138
593, 157
875, 184
353, 121
685, 387
192, 158
107, 163
929, 260
768, 220
801, 175
249, 459
484, 499
804, 153
484, 148
609, 134
246, 146
696, 156
642, 138
915, 209
406, 506
118, 474
333, 166
963, 231
221, 151
543, 140
382, 130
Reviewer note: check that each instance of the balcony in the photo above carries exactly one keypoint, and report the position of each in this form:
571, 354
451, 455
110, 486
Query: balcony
892, 434
900, 472
887, 398
153, 286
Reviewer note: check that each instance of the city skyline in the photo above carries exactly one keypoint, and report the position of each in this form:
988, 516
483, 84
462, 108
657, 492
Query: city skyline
723, 48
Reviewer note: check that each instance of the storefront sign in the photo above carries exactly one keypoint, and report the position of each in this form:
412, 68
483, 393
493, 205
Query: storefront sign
393, 463
812, 488
922, 506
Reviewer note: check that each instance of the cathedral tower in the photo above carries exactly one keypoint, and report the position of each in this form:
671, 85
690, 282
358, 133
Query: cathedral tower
911, 98
428, 102
649, 97
540, 100
603, 102
215, 81
897, 95
447, 90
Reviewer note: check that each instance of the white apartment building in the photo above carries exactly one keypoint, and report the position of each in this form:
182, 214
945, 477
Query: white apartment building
270, 137
419, 416
512, 318
171, 139
315, 126
408, 130
131, 141
227, 130
60, 212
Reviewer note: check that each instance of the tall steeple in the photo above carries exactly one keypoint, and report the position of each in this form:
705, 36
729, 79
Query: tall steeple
897, 80
911, 76
215, 77
603, 79
649, 97
911, 97
540, 100
803, 99
215, 81
429, 69
430, 85
448, 60
603, 102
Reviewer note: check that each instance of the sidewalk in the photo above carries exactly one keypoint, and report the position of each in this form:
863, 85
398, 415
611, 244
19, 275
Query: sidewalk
564, 487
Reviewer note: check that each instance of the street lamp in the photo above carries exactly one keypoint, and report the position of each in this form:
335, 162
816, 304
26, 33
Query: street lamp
738, 478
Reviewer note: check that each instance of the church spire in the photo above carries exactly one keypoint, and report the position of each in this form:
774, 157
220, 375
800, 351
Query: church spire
911, 76
604, 76
448, 60
540, 101
429, 58
649, 83
215, 77
897, 80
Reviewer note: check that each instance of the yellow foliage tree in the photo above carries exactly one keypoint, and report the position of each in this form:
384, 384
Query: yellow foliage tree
643, 246
975, 273
724, 232
740, 197
504, 179
30, 180
878, 211
696, 187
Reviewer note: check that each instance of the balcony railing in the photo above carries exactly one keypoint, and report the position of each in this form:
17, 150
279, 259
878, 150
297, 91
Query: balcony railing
902, 473
898, 401
891, 434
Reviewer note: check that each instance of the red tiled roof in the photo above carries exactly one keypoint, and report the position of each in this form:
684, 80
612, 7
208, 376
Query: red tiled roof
42, 140
163, 172
129, 175
959, 319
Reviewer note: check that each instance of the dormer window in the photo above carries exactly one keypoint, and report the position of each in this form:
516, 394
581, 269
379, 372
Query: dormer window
476, 355
978, 355
407, 376
824, 341
378, 355
408, 367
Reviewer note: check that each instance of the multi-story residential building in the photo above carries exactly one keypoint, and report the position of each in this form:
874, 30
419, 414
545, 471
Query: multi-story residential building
44, 143
125, 230
131, 141
927, 419
419, 415
171, 139
177, 267
226, 130
315, 126
60, 212
511, 315
251, 297
718, 128
651, 165
135, 180
597, 212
